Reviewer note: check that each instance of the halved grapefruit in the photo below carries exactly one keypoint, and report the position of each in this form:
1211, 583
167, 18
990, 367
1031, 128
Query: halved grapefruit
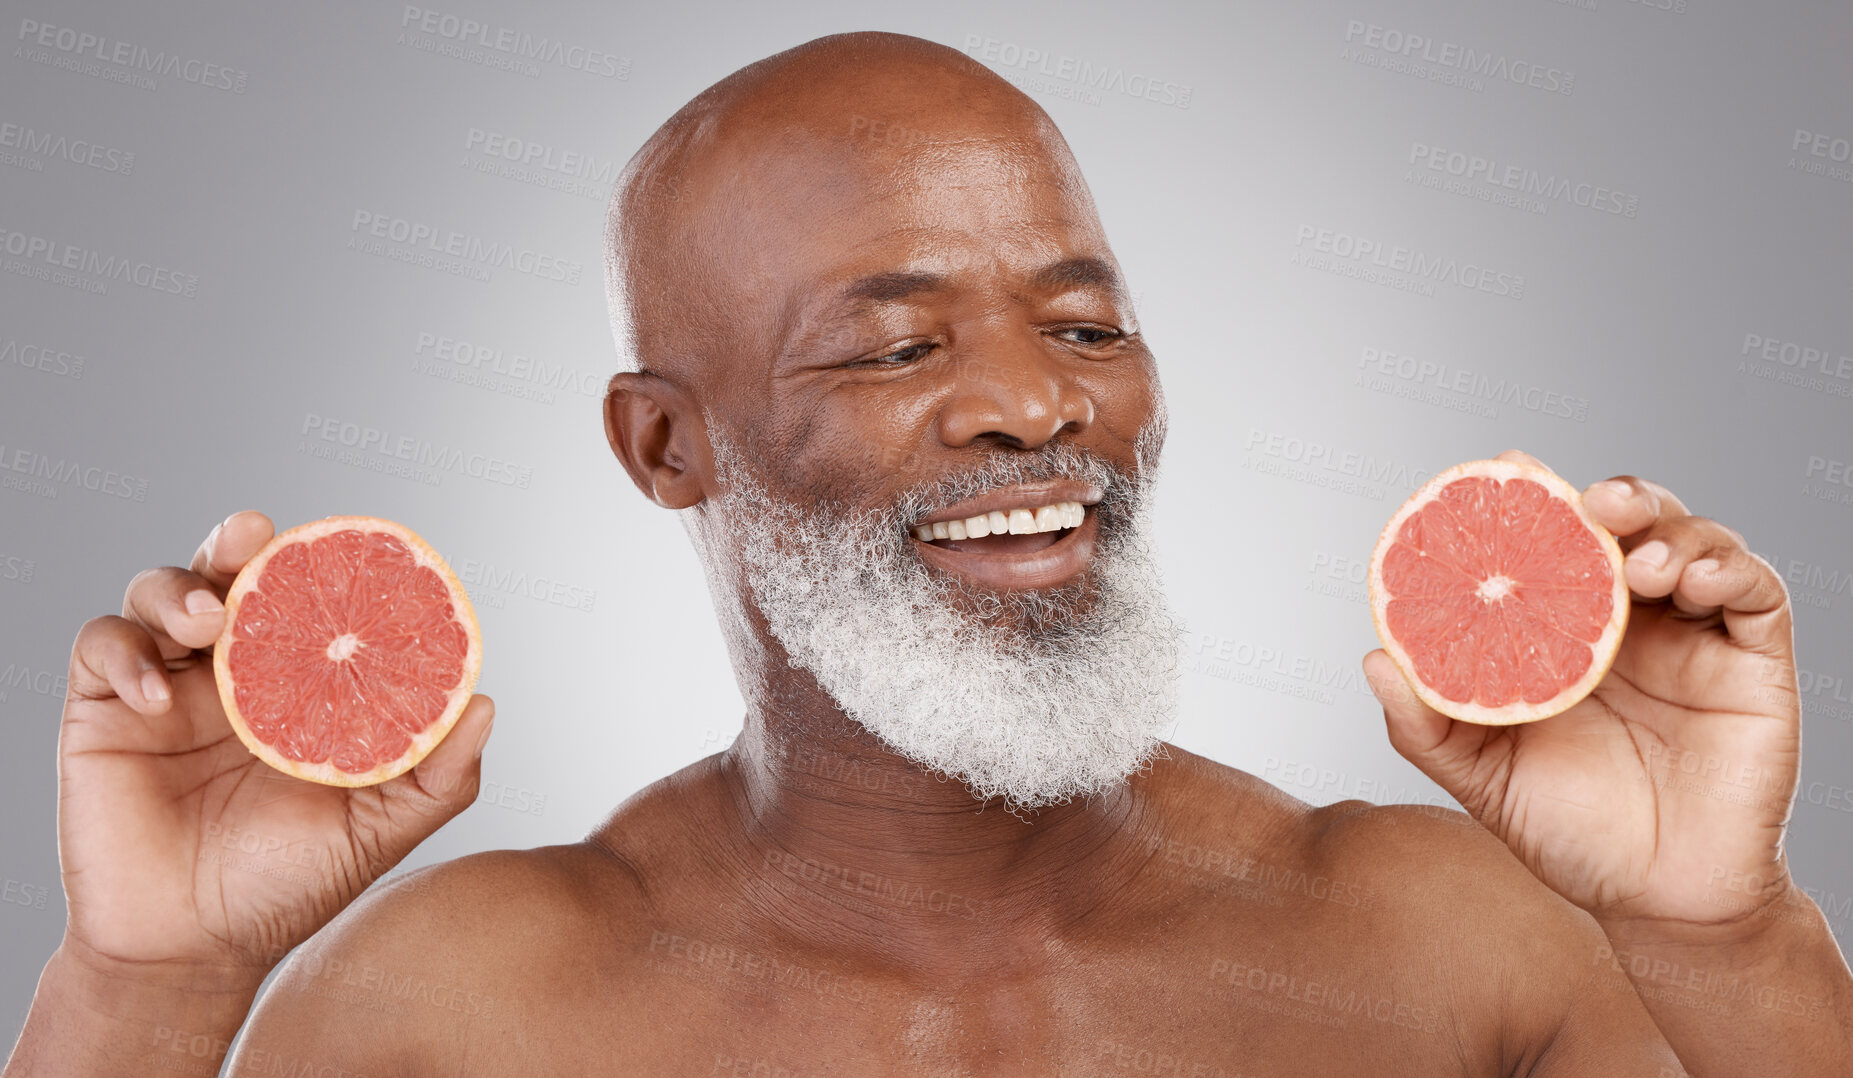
1500, 598
349, 651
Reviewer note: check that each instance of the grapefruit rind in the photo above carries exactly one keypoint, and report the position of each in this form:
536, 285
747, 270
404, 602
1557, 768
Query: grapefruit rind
1602, 652
422, 743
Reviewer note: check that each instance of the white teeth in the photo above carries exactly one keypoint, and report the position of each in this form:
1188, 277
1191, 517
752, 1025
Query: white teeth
1047, 518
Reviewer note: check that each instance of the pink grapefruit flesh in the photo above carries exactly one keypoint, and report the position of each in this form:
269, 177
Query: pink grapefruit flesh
1500, 599
349, 651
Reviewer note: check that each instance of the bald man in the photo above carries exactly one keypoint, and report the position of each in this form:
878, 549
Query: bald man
949, 839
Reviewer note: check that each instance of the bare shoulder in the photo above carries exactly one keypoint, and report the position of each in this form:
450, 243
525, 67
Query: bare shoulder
474, 965
1423, 865
1421, 903
461, 947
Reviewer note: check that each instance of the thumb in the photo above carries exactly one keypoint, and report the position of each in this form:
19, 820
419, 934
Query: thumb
1443, 749
443, 784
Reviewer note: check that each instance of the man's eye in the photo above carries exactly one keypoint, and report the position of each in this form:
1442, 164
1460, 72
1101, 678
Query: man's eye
1091, 334
897, 358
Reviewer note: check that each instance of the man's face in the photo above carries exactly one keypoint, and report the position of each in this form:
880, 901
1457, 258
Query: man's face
903, 310
948, 337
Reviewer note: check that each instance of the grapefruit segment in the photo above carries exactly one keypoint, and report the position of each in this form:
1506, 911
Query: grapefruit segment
350, 650
1500, 598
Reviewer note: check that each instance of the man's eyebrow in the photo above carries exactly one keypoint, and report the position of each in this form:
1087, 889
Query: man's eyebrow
1069, 273
1076, 273
888, 287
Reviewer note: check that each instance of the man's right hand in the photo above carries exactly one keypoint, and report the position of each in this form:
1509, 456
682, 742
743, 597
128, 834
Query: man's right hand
182, 853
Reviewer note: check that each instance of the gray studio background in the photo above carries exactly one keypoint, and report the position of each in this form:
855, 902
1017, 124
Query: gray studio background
1654, 278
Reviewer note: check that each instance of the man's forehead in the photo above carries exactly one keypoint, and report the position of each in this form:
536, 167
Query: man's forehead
962, 177
835, 215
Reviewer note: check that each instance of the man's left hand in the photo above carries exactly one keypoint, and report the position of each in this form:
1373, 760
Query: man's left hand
1662, 796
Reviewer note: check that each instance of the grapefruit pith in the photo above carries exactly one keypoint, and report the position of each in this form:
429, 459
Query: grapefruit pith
1500, 598
349, 651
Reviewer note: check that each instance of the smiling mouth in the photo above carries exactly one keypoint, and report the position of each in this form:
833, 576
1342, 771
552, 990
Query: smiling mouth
1005, 531
1018, 548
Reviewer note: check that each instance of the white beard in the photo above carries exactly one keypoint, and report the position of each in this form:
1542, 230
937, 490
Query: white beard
1035, 697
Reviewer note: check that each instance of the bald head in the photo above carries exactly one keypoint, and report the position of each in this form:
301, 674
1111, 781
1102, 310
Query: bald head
701, 218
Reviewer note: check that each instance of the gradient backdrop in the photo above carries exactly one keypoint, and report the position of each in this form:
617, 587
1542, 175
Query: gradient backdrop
1368, 241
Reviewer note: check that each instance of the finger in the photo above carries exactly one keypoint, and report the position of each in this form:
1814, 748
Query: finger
226, 549
180, 609
115, 658
1627, 504
442, 785
1449, 752
1662, 552
1748, 592
454, 766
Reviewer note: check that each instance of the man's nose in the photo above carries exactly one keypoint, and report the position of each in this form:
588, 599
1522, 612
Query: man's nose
1013, 387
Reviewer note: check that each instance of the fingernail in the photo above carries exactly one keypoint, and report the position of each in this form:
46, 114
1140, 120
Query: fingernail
1619, 491
1651, 555
203, 602
1706, 565
483, 738
154, 686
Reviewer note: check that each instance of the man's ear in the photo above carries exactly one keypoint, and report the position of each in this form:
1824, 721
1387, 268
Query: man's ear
659, 436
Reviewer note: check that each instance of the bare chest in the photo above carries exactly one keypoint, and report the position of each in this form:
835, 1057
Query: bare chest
685, 1004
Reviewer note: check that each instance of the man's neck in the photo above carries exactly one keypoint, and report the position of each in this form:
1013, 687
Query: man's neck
859, 846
